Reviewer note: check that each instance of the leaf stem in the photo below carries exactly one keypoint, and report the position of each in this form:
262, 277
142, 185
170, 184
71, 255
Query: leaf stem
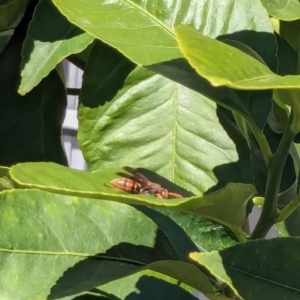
275, 169
262, 142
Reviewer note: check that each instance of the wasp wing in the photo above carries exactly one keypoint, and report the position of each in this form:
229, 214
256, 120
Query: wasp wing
139, 177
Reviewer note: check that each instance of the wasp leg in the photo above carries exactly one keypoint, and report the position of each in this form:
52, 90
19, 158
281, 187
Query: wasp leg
145, 191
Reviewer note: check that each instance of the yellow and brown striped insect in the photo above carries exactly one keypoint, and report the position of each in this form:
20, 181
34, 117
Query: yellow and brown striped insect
137, 183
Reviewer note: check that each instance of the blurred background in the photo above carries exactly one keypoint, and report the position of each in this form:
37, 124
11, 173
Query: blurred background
73, 77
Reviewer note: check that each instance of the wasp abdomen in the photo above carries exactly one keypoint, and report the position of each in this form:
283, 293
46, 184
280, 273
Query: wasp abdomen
137, 183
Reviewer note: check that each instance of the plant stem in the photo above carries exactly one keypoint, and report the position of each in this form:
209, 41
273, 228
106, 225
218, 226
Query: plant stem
275, 168
288, 210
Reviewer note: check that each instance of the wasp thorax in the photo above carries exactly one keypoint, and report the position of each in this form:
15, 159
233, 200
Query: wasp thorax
164, 193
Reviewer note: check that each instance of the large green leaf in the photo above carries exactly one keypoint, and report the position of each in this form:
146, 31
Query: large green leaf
59, 179
44, 48
144, 29
137, 27
75, 244
157, 124
30, 126
228, 204
261, 270
63, 180
224, 65
143, 25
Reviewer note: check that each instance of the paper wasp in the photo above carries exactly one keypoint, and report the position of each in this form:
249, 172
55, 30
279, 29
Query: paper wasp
137, 183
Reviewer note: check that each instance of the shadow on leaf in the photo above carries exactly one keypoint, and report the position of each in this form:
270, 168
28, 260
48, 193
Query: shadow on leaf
117, 262
150, 288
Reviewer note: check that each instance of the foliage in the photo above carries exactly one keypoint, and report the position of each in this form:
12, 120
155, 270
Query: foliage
201, 97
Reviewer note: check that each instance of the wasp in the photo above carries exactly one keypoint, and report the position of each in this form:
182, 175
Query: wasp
137, 183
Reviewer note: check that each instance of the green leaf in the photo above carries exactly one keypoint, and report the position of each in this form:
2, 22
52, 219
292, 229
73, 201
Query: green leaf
73, 244
119, 252
30, 126
223, 65
138, 27
145, 125
63, 180
139, 41
44, 48
228, 204
144, 30
287, 10
261, 270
